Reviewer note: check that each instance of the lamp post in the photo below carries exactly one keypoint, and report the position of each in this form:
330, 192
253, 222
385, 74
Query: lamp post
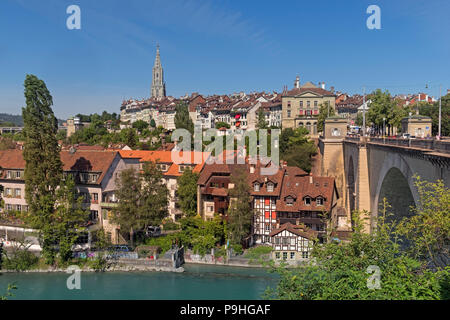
384, 126
364, 111
440, 106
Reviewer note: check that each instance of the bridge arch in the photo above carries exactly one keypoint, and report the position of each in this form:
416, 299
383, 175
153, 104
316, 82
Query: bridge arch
396, 183
351, 185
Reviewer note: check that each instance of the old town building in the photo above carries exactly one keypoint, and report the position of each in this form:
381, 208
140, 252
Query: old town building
301, 105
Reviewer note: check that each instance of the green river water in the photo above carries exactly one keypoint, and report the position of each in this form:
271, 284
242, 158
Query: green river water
197, 282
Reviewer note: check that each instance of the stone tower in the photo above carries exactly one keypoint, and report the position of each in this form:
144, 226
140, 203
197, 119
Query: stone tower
158, 89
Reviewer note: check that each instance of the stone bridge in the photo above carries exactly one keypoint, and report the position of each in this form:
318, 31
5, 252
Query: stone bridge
370, 169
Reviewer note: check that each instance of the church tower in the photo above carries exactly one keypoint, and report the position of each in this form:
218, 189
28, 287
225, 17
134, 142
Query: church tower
158, 89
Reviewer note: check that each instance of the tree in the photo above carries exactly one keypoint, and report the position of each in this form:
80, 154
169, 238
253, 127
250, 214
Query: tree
222, 124
325, 111
261, 119
187, 192
140, 125
339, 270
429, 228
153, 123
43, 166
433, 112
70, 217
154, 195
240, 213
128, 193
296, 148
182, 119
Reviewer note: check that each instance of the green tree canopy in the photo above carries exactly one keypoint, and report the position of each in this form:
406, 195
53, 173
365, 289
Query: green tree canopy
187, 192
182, 119
325, 111
43, 166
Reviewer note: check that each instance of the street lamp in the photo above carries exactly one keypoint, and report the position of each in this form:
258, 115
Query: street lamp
384, 126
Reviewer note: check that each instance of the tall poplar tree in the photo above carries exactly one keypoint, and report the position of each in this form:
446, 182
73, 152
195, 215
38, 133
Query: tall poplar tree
43, 168
187, 192
240, 212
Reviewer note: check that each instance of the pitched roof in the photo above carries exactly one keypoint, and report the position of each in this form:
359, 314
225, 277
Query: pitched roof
80, 160
299, 230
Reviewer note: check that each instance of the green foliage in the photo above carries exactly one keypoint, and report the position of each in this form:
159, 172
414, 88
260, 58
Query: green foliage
220, 252
140, 125
257, 252
340, 270
296, 148
429, 228
153, 123
325, 111
8, 293
142, 199
237, 248
187, 192
240, 213
69, 218
261, 119
433, 112
182, 119
222, 124
19, 258
383, 106
6, 143
170, 225
43, 168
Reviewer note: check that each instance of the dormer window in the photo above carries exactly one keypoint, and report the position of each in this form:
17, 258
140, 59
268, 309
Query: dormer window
308, 201
289, 201
256, 186
319, 201
270, 187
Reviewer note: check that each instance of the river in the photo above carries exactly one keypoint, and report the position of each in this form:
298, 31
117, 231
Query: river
197, 282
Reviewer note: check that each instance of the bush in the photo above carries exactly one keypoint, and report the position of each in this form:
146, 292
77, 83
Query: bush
170, 225
237, 249
257, 252
220, 252
19, 260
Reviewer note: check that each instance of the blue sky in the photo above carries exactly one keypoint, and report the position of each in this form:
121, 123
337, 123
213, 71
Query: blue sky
218, 47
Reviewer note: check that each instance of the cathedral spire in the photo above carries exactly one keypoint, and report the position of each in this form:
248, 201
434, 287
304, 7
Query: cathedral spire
158, 89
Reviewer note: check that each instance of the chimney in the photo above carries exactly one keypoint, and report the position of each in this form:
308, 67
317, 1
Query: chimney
297, 82
332, 89
252, 168
323, 85
310, 178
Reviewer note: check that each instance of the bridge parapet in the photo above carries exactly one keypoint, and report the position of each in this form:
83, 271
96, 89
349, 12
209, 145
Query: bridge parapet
442, 146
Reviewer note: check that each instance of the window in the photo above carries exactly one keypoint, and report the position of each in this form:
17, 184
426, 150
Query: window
285, 241
8, 191
319, 201
94, 215
270, 187
8, 207
289, 201
277, 240
308, 103
210, 208
256, 186
95, 196
289, 104
308, 201
267, 202
285, 255
293, 241
277, 255
292, 255
9, 174
267, 214
289, 113
17, 193
267, 227
315, 103
301, 103
19, 207
18, 174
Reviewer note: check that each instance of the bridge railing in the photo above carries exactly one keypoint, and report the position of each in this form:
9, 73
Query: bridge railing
442, 146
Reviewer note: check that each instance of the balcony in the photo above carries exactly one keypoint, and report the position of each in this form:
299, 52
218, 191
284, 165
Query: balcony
109, 204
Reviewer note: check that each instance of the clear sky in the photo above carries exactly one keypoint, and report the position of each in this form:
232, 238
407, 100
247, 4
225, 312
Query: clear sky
218, 47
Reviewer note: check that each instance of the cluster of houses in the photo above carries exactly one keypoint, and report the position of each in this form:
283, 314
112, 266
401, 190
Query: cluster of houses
291, 207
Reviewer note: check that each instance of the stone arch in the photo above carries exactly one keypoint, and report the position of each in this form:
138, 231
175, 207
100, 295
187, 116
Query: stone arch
396, 174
